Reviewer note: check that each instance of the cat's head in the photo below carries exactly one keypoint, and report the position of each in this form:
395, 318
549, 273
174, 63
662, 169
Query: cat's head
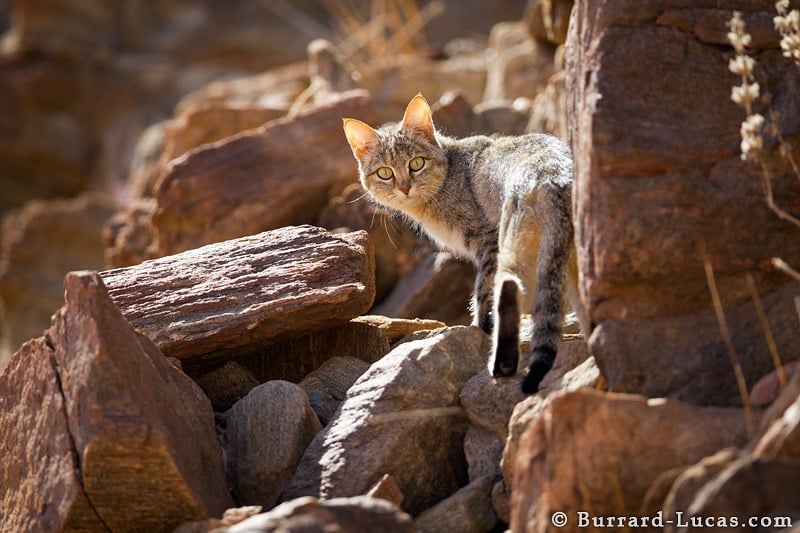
401, 166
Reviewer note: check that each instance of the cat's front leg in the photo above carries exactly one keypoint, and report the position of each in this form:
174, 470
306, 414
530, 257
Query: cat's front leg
483, 297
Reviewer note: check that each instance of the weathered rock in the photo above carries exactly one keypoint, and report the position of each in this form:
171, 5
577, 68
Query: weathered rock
570, 457
548, 20
267, 433
549, 109
730, 495
402, 417
292, 360
688, 482
518, 65
454, 115
129, 235
323, 404
40, 484
438, 288
650, 162
483, 450
500, 502
41, 243
229, 518
227, 384
245, 291
146, 161
142, 433
208, 123
468, 510
335, 376
501, 117
393, 240
279, 174
358, 513
386, 489
397, 328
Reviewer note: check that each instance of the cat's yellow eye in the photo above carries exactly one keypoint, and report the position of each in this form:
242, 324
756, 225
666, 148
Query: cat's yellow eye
385, 173
416, 164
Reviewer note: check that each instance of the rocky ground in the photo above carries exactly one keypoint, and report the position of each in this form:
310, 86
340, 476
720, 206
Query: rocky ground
242, 342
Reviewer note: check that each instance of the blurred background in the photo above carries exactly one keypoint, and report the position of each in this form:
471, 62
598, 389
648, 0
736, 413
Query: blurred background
99, 99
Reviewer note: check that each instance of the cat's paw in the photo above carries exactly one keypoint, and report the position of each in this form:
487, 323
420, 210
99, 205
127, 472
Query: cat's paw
539, 367
503, 368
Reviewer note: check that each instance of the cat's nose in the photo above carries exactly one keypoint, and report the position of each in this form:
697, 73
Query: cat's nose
404, 189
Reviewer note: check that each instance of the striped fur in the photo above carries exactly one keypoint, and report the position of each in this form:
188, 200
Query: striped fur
504, 203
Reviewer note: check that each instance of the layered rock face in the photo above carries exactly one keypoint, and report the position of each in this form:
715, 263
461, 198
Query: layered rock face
661, 192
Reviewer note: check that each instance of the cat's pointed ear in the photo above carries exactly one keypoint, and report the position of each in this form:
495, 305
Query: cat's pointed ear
359, 135
417, 120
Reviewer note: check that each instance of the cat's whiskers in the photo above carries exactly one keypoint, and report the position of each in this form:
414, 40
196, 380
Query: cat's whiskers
366, 193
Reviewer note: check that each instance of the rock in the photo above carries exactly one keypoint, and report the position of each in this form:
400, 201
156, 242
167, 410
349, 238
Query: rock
397, 328
784, 400
648, 437
227, 385
40, 484
500, 502
548, 20
728, 500
651, 207
438, 288
454, 115
518, 65
292, 360
40, 243
483, 450
402, 417
359, 513
126, 437
129, 235
229, 517
146, 161
689, 481
468, 510
284, 173
335, 376
768, 388
501, 117
242, 292
327, 386
267, 432
549, 109
386, 489
210, 122
392, 238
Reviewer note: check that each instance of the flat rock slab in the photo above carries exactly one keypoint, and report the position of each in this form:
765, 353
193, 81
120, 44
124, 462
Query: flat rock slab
101, 431
239, 293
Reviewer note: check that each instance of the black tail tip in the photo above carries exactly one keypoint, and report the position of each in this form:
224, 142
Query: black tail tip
540, 365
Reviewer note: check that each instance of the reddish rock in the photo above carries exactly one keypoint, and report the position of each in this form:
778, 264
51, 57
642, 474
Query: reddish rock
238, 293
397, 328
469, 511
40, 244
280, 174
660, 188
129, 234
438, 288
402, 417
40, 480
599, 453
127, 435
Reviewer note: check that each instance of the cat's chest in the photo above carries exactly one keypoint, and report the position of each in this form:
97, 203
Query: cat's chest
447, 235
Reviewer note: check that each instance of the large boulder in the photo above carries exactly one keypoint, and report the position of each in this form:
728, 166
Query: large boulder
403, 418
40, 244
598, 453
662, 190
113, 434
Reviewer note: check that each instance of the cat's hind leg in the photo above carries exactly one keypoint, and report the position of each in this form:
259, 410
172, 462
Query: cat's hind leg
553, 217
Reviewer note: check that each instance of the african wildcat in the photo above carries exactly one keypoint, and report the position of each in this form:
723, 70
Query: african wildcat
502, 202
